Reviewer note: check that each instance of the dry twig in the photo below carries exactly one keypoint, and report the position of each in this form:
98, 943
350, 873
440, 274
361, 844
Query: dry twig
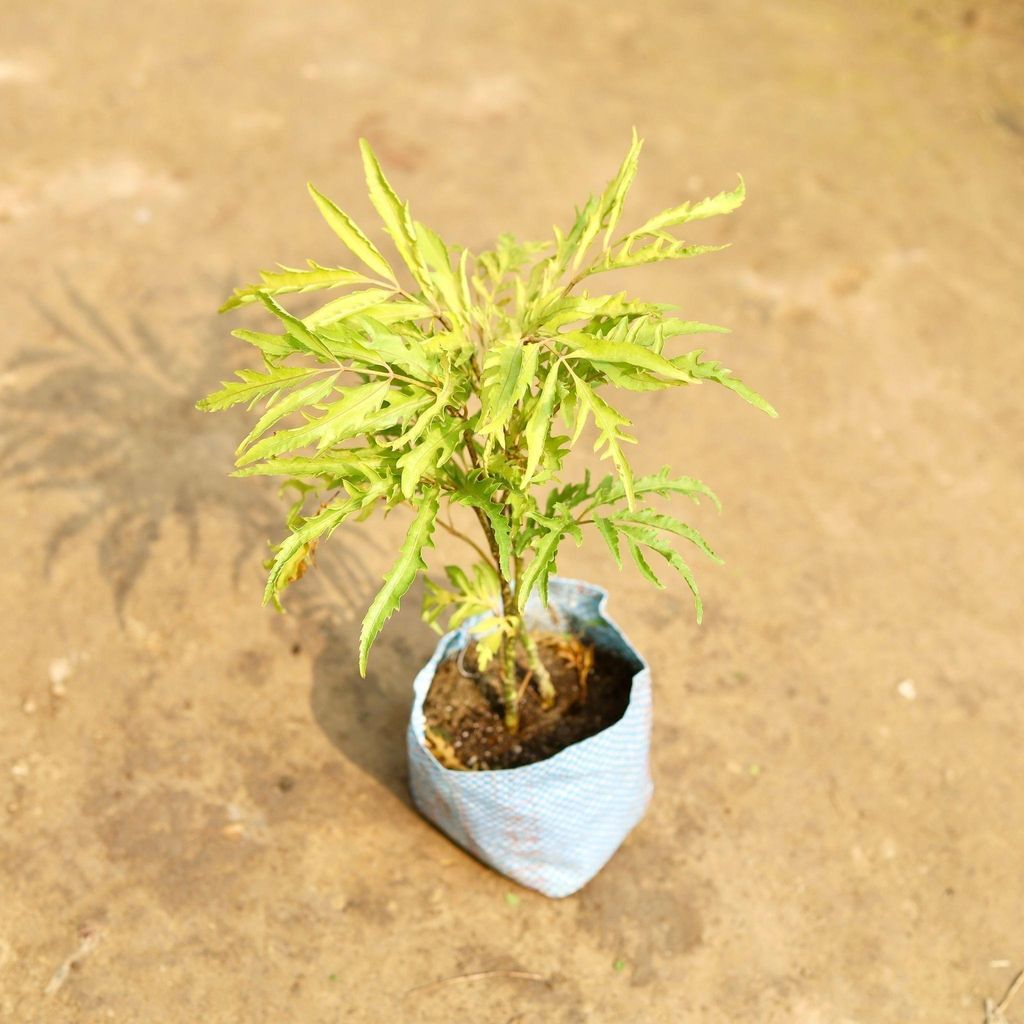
995, 1013
90, 938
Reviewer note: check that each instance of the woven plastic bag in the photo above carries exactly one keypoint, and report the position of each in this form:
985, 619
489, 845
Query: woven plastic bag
554, 824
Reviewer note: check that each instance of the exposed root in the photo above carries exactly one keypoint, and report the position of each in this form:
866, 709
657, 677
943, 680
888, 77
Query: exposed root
443, 751
575, 653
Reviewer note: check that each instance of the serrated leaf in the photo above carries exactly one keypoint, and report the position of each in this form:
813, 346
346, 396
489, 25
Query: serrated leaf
502, 537
340, 464
295, 327
710, 370
600, 350
650, 538
487, 645
432, 412
433, 254
508, 372
309, 395
429, 455
347, 305
253, 385
410, 563
310, 530
675, 328
668, 524
397, 348
642, 564
615, 194
348, 231
394, 213
609, 424
748, 394
581, 234
610, 489
289, 279
538, 427
723, 203
611, 538
536, 574
341, 420
658, 251
272, 346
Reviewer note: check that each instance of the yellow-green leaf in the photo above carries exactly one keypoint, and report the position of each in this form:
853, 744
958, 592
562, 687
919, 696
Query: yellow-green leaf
410, 563
348, 231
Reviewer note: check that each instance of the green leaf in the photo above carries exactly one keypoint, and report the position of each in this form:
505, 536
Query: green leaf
296, 328
394, 213
253, 385
400, 311
659, 251
502, 537
432, 412
611, 538
598, 350
584, 230
309, 395
508, 372
348, 417
347, 305
428, 456
748, 394
669, 524
610, 435
650, 538
410, 563
615, 195
675, 328
611, 490
724, 202
289, 279
348, 231
297, 546
538, 427
433, 254
710, 370
338, 464
643, 565
272, 346
541, 566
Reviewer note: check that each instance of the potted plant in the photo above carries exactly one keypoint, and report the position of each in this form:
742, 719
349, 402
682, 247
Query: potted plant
458, 384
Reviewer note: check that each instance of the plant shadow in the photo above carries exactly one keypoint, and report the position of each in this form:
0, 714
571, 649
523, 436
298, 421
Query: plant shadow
366, 719
103, 417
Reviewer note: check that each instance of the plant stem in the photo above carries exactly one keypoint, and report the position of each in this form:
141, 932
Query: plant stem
545, 687
469, 540
509, 695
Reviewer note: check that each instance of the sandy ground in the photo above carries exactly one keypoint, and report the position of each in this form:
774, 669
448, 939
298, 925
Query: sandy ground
204, 815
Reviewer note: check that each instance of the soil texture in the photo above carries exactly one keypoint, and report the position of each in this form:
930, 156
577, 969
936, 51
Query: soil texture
464, 712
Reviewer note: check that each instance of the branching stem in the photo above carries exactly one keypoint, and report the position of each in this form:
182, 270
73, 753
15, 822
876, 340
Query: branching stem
545, 687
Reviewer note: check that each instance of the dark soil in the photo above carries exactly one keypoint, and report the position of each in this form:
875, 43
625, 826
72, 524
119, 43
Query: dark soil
464, 714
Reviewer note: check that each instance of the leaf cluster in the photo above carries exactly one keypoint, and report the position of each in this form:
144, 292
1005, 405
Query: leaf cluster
453, 378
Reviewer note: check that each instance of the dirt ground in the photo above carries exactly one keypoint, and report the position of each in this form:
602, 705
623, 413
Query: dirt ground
204, 813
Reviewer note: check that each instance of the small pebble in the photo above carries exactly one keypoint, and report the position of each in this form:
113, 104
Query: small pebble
907, 690
19, 769
59, 672
29, 707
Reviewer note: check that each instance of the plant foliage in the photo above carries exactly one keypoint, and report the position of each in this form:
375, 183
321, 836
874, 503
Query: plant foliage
454, 378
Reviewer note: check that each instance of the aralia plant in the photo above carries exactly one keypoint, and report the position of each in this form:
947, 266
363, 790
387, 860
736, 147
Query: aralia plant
466, 379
